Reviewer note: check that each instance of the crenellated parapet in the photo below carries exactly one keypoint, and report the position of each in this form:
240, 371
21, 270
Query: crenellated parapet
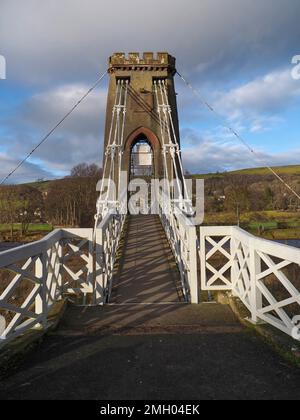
146, 61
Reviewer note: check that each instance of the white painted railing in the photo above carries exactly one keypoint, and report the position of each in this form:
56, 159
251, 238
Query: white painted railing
35, 276
74, 263
108, 237
182, 237
265, 275
80, 263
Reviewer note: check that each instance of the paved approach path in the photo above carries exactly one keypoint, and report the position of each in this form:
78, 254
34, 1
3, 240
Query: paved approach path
172, 351
147, 271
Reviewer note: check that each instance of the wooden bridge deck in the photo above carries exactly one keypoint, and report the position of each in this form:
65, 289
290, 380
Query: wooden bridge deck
147, 271
147, 344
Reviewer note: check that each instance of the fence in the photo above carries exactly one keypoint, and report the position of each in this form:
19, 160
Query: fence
108, 236
265, 275
35, 276
182, 237
75, 263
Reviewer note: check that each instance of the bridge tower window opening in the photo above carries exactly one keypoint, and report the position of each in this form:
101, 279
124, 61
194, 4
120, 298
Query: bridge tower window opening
141, 162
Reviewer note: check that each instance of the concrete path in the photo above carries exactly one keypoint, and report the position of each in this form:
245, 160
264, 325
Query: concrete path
147, 272
152, 352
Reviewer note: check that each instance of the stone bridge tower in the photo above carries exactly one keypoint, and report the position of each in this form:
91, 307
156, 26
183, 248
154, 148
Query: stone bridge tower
142, 118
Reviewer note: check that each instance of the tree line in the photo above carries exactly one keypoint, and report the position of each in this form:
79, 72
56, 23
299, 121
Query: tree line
70, 201
246, 193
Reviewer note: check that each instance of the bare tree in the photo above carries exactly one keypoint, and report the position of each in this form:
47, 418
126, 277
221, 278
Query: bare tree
72, 201
84, 170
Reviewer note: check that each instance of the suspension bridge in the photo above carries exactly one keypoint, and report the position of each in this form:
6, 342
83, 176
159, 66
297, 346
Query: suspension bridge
141, 321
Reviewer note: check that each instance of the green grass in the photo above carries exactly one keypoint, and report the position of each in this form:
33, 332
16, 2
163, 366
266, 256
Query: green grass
33, 227
271, 218
281, 170
265, 225
279, 234
41, 186
275, 224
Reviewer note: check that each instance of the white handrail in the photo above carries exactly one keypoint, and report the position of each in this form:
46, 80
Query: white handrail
182, 237
42, 275
107, 239
264, 274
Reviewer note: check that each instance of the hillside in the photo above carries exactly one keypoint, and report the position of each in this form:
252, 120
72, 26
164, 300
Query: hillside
281, 170
254, 198
291, 170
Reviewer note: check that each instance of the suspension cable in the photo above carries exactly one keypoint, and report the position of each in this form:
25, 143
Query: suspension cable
173, 143
114, 147
165, 107
108, 150
176, 140
121, 140
54, 128
162, 130
163, 123
237, 135
109, 137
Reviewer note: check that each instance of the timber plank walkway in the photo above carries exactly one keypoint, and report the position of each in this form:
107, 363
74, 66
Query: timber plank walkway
147, 271
148, 344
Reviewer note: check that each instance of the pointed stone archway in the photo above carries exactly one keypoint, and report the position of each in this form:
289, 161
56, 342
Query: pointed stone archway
152, 139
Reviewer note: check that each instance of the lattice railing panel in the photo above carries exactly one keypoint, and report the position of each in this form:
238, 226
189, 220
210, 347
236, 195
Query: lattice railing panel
265, 275
108, 237
278, 283
22, 288
181, 234
216, 260
77, 269
33, 277
241, 276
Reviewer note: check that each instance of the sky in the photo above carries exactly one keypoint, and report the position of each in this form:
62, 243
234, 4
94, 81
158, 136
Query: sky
236, 53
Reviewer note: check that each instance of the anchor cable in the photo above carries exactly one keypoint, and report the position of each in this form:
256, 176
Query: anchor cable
237, 135
54, 128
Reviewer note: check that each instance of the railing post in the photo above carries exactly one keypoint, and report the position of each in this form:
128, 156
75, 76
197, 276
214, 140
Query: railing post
90, 265
99, 292
255, 295
41, 304
193, 264
202, 254
59, 277
234, 271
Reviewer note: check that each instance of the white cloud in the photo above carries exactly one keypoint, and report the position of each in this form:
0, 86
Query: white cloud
78, 139
28, 172
209, 154
70, 40
57, 48
260, 101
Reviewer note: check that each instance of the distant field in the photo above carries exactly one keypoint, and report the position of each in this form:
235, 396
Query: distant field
33, 227
279, 234
282, 170
267, 224
42, 185
271, 218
